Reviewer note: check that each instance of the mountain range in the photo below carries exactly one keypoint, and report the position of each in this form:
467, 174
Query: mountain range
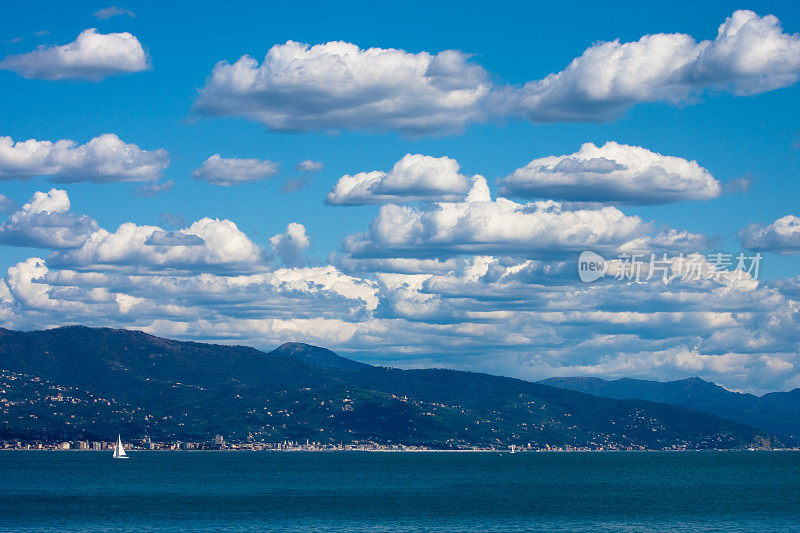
776, 412
77, 382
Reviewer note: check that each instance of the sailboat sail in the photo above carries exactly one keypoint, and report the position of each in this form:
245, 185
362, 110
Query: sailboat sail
119, 451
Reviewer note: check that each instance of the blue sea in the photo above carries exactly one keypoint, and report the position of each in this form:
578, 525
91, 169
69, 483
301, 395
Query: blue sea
399, 492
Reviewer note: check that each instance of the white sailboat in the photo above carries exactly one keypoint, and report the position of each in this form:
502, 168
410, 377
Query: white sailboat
119, 451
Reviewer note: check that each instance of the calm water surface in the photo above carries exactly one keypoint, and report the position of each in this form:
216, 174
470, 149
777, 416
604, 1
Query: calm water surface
393, 492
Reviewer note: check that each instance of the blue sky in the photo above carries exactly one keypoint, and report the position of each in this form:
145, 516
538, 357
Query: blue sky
733, 133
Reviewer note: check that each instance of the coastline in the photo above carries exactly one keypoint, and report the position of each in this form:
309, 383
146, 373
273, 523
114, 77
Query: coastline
484, 451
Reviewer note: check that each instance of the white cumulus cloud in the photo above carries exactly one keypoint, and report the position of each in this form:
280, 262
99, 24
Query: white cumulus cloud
308, 165
480, 225
751, 54
414, 178
92, 56
206, 244
782, 236
218, 170
613, 173
290, 246
104, 159
528, 317
45, 221
339, 85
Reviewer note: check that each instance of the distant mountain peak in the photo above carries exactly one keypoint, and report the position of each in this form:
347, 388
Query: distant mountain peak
315, 356
777, 412
297, 346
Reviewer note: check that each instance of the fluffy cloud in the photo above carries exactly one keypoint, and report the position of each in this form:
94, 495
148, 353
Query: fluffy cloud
399, 265
218, 170
480, 225
103, 159
414, 178
77, 241
489, 288
35, 292
206, 244
290, 246
21, 280
789, 287
750, 55
782, 236
173, 238
530, 318
339, 85
613, 173
45, 221
482, 306
92, 56
308, 165
113, 11
536, 320
151, 278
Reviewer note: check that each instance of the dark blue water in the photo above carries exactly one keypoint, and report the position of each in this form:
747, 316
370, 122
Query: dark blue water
392, 492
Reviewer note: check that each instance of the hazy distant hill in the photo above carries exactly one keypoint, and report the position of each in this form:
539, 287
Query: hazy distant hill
315, 356
777, 412
116, 380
